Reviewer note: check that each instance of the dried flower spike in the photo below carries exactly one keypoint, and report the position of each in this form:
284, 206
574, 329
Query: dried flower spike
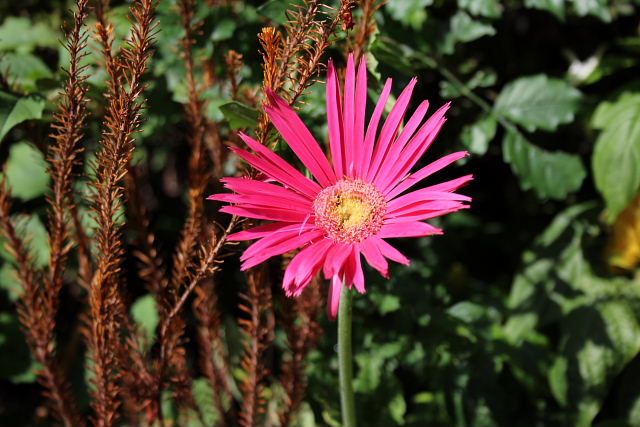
356, 201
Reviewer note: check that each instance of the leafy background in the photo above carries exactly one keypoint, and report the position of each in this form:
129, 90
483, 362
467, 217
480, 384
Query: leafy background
526, 312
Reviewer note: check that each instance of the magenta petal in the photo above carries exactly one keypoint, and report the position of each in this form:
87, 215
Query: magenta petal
304, 266
268, 230
334, 297
390, 252
349, 117
424, 172
335, 260
271, 214
358, 275
361, 110
252, 186
266, 200
423, 196
408, 229
279, 248
451, 185
372, 129
390, 128
391, 160
373, 256
299, 139
334, 118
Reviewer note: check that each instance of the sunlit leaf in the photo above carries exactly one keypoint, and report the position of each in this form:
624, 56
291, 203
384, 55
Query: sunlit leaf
549, 174
27, 171
239, 115
616, 156
538, 102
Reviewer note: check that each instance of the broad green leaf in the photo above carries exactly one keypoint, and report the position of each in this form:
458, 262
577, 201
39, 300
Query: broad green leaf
554, 6
16, 362
145, 314
476, 137
14, 110
488, 8
34, 234
275, 9
22, 35
397, 408
27, 171
549, 174
598, 8
25, 69
538, 102
616, 156
411, 13
223, 30
463, 28
239, 115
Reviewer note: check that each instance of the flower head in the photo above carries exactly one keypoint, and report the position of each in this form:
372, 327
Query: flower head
356, 200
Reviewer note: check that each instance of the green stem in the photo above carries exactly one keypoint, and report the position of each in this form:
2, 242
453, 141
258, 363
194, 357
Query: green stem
345, 359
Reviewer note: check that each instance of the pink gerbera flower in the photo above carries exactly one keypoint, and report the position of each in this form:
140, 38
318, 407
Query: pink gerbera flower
356, 200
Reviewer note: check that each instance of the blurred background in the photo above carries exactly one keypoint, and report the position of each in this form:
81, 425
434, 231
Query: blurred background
525, 312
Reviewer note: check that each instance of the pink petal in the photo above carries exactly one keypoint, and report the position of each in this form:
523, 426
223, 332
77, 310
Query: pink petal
299, 139
408, 229
451, 185
389, 251
415, 148
304, 266
265, 200
423, 173
271, 214
361, 110
356, 275
334, 118
335, 260
390, 128
373, 256
278, 247
349, 117
372, 129
426, 210
334, 297
424, 195
285, 174
269, 230
390, 161
253, 186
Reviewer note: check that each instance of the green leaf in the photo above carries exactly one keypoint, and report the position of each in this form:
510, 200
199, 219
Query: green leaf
27, 171
34, 234
25, 69
554, 6
203, 395
223, 30
397, 408
488, 8
411, 13
616, 156
16, 363
14, 110
549, 174
275, 9
476, 137
239, 115
145, 314
22, 35
538, 102
597, 8
463, 28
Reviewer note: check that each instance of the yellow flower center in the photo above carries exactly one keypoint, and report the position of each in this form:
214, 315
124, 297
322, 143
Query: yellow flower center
350, 211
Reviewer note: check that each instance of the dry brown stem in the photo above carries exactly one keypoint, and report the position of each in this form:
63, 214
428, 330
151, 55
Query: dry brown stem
122, 119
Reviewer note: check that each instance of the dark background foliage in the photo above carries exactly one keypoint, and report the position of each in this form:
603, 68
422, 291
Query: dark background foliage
526, 312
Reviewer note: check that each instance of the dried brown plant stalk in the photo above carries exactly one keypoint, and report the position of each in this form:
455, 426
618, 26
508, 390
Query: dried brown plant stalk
39, 303
122, 119
299, 318
291, 63
257, 339
364, 27
38, 319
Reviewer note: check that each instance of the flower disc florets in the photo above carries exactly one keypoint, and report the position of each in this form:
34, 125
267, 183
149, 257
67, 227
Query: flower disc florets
350, 211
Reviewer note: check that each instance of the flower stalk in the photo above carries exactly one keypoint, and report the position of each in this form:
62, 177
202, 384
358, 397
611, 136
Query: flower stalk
345, 359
